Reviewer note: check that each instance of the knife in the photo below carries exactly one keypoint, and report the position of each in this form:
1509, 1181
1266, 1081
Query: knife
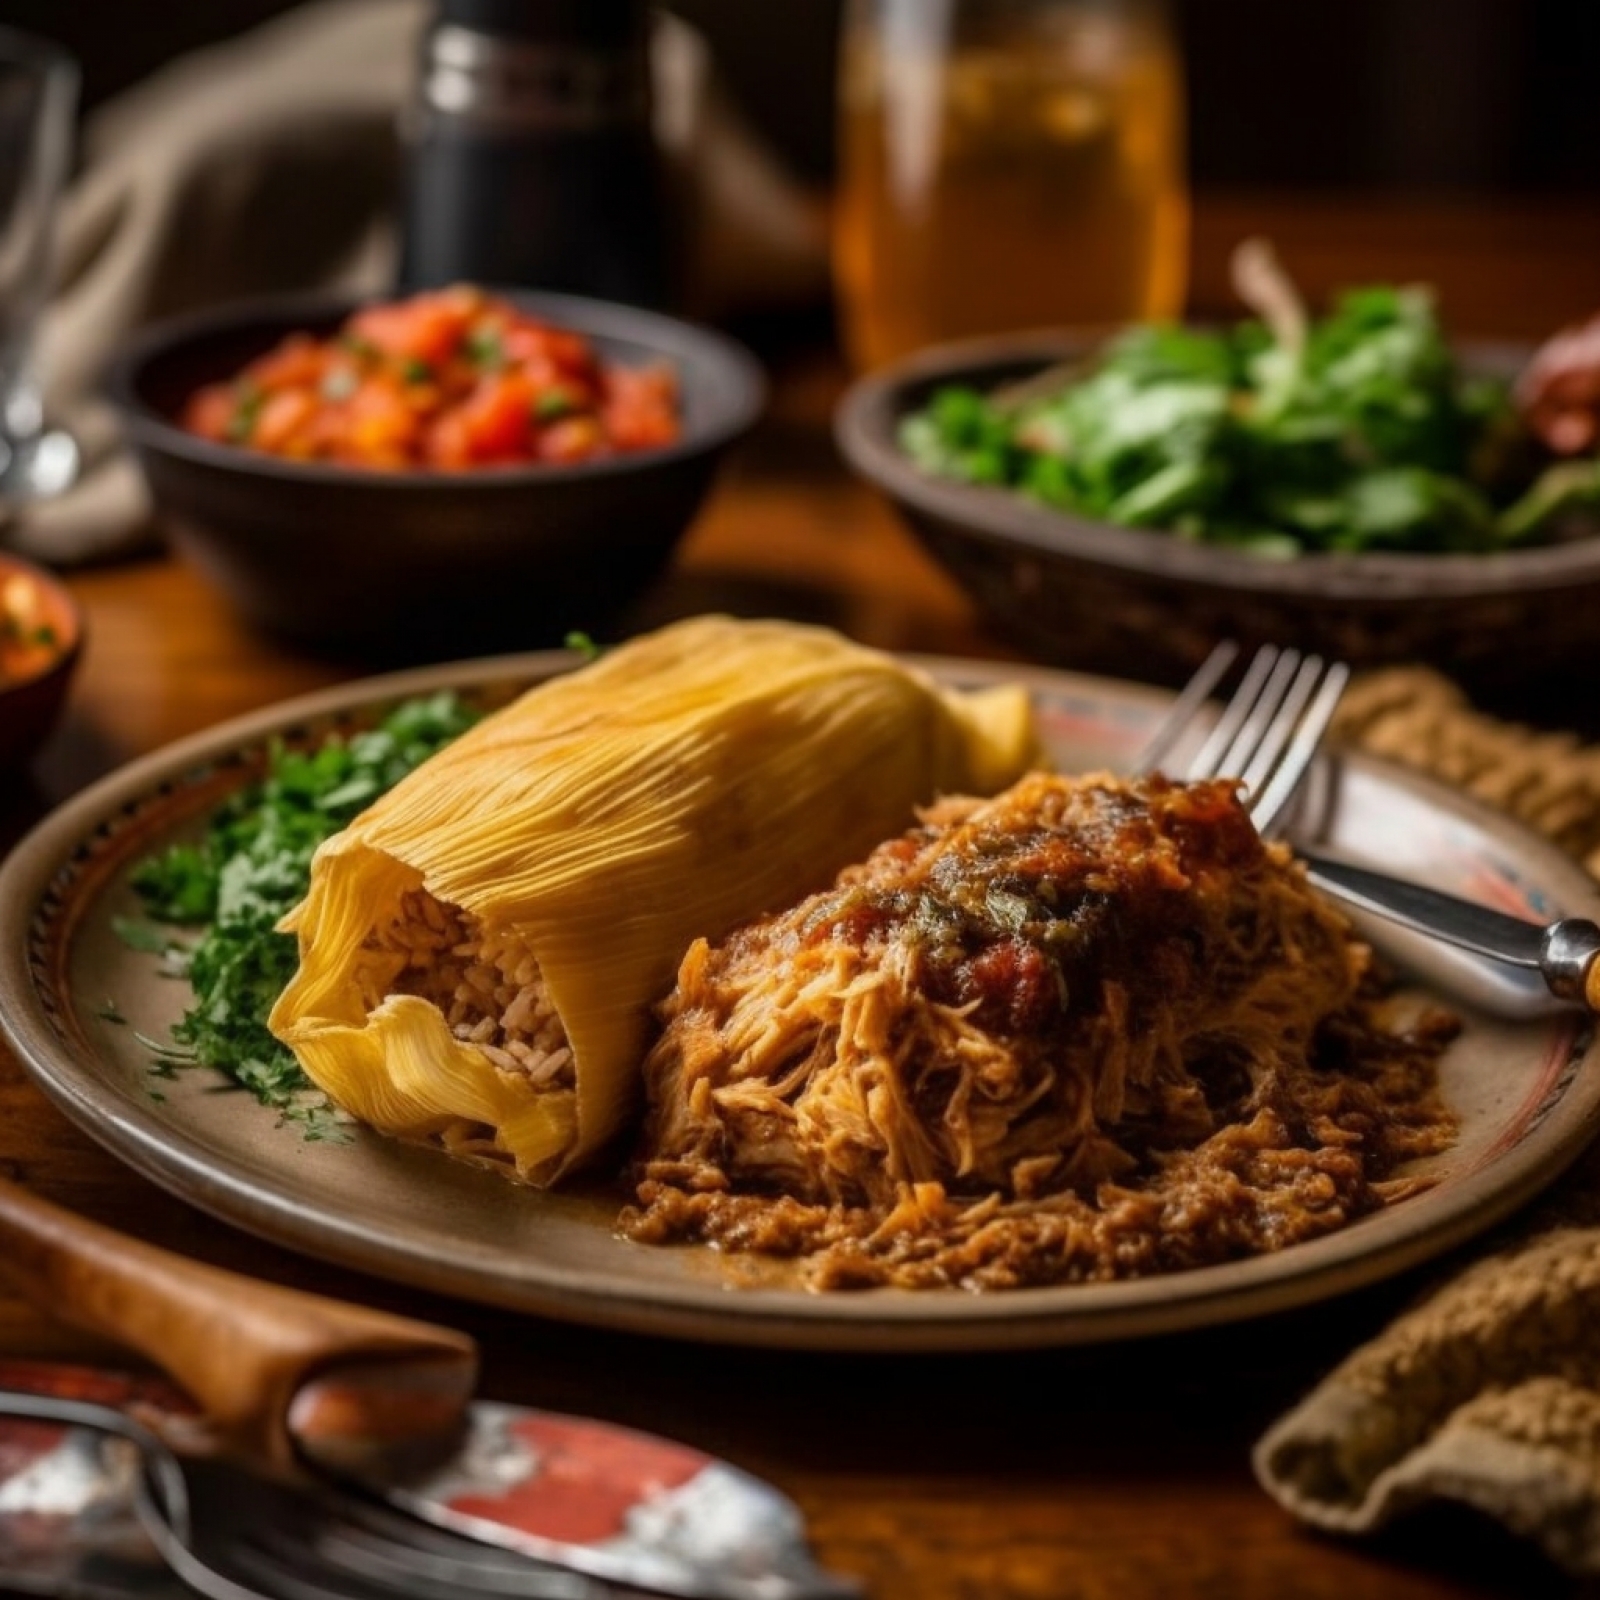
1562, 953
306, 1387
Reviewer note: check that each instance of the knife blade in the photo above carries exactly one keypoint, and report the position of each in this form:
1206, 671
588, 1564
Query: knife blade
1562, 952
329, 1391
1474, 927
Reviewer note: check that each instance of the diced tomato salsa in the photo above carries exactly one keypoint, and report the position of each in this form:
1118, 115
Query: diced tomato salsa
29, 638
449, 380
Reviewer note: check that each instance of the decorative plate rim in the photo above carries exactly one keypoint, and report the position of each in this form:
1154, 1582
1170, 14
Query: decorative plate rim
37, 891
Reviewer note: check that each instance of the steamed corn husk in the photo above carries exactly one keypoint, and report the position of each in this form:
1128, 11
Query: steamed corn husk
682, 783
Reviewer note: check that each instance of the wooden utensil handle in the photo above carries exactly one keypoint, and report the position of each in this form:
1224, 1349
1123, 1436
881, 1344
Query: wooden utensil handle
244, 1350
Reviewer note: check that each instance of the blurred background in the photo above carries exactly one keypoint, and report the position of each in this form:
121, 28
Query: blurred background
895, 175
1446, 96
1431, 109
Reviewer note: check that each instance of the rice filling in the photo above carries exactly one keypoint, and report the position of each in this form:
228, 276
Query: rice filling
487, 986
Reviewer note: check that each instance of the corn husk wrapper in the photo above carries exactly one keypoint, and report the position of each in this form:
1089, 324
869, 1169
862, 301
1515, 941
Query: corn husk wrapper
681, 784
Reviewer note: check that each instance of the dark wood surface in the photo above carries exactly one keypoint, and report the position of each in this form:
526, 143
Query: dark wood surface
1098, 1474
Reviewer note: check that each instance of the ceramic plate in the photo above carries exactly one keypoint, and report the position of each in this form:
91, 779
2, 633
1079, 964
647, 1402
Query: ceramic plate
1527, 1090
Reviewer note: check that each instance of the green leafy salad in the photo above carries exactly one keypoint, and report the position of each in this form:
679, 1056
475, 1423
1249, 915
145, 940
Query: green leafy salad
1357, 431
251, 865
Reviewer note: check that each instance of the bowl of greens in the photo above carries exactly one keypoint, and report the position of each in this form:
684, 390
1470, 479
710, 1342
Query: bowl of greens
1353, 482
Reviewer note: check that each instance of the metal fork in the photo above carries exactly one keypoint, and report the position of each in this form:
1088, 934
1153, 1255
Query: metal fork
1268, 735
227, 1535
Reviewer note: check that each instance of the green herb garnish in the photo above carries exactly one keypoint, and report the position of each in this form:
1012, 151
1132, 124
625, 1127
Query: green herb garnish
553, 405
583, 644
484, 347
243, 421
253, 864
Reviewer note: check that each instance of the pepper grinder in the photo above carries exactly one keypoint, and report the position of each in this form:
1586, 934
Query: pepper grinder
530, 160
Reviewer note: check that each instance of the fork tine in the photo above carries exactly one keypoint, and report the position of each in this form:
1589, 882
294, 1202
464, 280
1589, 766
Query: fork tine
365, 1529
1219, 745
286, 1580
1182, 712
288, 1574
1274, 731
1266, 807
295, 1546
1268, 732
347, 1550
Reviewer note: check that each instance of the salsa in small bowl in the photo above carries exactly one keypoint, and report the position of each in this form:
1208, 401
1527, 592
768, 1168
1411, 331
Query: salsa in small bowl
533, 481
449, 380
41, 638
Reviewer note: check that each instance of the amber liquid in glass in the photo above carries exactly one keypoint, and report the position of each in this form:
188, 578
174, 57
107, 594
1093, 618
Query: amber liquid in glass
1029, 176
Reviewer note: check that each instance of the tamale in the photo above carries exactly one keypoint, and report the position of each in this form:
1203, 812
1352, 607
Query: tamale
481, 949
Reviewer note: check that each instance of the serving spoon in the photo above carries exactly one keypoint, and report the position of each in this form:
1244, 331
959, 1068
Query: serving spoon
351, 1401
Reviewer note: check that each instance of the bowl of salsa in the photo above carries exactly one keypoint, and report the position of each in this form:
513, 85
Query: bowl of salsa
41, 638
452, 381
457, 471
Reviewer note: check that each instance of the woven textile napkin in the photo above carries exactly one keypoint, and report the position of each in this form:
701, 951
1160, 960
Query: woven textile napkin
270, 164
1487, 1391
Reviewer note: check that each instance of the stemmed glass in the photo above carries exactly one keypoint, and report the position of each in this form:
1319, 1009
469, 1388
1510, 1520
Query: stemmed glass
38, 96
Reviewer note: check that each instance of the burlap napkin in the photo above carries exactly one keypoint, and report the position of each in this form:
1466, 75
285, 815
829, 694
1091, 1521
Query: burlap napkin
1487, 1391
270, 164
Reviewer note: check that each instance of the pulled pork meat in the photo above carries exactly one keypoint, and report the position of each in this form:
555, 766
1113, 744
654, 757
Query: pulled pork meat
1089, 1029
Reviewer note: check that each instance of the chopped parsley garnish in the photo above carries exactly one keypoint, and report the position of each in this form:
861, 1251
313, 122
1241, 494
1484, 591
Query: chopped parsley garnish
484, 347
253, 864
552, 405
242, 423
36, 636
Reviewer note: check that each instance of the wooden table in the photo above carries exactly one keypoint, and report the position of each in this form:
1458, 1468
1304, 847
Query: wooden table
1093, 1474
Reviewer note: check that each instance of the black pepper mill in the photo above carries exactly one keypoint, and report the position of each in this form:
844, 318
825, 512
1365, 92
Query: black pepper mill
530, 156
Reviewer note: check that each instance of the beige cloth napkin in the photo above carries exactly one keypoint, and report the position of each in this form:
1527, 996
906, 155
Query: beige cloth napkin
1487, 1391
270, 163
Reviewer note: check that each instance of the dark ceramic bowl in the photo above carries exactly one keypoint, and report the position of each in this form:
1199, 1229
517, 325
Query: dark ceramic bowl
407, 565
1145, 604
31, 702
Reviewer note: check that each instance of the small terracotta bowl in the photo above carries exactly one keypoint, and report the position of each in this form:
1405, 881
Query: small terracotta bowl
41, 638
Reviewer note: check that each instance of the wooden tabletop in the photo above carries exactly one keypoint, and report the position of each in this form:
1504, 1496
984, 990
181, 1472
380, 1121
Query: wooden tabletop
1096, 1474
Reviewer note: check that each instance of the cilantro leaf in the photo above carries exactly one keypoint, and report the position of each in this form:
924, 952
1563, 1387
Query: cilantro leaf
1361, 435
250, 866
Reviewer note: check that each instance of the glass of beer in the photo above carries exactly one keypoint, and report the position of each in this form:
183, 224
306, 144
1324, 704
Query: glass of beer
1007, 164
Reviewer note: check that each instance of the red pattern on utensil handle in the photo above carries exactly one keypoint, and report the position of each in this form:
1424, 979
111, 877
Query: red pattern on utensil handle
582, 1481
96, 1385
67, 1525
28, 1534
23, 1442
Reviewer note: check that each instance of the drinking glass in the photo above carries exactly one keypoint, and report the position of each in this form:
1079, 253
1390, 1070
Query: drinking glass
1007, 164
38, 94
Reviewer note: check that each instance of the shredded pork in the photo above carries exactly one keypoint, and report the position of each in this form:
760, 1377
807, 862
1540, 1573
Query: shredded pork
1090, 1029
